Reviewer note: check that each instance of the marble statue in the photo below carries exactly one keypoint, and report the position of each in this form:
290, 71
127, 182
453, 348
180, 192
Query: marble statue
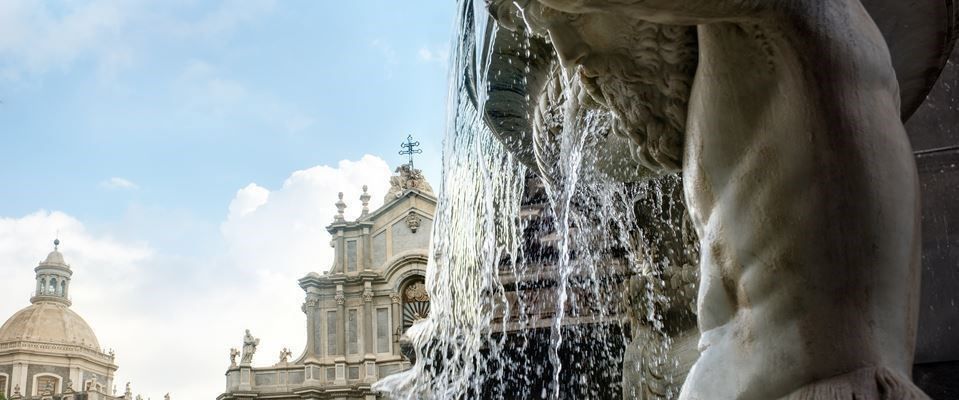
407, 178
234, 353
166, 396
285, 355
783, 118
249, 348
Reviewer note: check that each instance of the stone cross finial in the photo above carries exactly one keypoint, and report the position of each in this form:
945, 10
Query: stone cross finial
340, 207
365, 198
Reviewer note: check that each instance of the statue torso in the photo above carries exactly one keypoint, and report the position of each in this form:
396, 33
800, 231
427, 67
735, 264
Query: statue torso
796, 168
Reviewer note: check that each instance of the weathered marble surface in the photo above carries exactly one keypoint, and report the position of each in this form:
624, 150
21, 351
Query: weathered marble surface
811, 247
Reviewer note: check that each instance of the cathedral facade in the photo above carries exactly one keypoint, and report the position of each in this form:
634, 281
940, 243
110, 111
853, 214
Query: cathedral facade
357, 311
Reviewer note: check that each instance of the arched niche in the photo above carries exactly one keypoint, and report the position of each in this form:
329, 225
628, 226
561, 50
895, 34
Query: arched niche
46, 383
414, 300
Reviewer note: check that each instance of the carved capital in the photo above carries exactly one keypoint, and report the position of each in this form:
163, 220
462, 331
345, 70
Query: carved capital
395, 298
368, 295
340, 299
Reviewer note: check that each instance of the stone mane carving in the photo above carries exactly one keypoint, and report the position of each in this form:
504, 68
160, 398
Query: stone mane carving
643, 79
777, 218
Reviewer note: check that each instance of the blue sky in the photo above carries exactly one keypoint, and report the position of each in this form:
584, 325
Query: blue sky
189, 100
165, 139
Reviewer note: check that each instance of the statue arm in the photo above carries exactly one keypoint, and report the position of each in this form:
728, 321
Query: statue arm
681, 12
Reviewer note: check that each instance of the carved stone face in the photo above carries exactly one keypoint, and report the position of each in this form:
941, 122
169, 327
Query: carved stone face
640, 71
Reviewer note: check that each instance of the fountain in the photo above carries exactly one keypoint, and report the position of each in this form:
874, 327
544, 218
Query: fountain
778, 123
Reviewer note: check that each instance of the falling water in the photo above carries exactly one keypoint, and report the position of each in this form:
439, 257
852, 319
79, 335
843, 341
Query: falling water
530, 274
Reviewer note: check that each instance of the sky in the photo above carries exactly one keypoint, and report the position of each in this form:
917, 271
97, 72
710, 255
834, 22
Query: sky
188, 154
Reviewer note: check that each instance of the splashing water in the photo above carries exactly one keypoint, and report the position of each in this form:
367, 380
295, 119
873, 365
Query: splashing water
530, 278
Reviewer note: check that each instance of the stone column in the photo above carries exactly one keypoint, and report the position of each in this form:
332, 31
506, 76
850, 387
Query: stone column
340, 263
367, 250
368, 317
340, 359
397, 326
340, 321
309, 307
369, 360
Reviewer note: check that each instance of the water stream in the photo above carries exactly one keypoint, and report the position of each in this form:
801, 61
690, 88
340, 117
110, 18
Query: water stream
531, 269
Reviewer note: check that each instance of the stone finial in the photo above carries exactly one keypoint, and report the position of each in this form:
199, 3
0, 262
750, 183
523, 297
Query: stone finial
340, 208
365, 198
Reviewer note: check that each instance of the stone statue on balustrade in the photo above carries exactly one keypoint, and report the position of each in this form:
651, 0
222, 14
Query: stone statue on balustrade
285, 355
249, 348
234, 353
784, 119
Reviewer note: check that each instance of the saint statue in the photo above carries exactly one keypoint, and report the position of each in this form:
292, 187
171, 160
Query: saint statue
234, 353
285, 355
249, 348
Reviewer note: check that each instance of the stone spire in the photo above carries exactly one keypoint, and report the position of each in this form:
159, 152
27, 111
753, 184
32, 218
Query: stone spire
53, 278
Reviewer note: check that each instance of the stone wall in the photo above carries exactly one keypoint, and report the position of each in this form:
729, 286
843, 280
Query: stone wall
934, 131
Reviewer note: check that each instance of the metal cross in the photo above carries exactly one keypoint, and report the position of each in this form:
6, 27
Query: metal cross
411, 148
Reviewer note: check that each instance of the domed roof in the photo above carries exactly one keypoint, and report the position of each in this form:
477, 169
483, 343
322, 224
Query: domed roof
54, 258
49, 322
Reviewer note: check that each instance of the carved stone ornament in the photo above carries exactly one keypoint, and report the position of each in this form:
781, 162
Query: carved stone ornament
340, 299
413, 221
395, 298
416, 292
367, 295
311, 302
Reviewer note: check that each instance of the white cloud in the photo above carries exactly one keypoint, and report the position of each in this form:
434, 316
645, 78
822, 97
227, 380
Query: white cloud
248, 200
173, 318
284, 230
118, 183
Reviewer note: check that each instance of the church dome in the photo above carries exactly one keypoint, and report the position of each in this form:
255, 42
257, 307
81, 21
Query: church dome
49, 322
55, 258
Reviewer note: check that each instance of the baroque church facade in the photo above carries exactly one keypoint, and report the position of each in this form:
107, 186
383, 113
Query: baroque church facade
357, 311
48, 352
